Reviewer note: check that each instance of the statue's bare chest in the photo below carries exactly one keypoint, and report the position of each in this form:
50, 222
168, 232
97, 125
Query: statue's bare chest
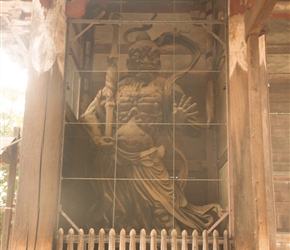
142, 103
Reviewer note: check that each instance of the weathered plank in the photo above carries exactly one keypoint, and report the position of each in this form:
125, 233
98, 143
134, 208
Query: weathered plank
239, 137
282, 96
279, 107
282, 190
279, 67
40, 163
280, 133
281, 10
279, 79
283, 216
261, 142
281, 166
280, 130
278, 48
249, 135
282, 241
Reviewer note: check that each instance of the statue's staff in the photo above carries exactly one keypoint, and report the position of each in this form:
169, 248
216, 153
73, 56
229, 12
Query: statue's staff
112, 79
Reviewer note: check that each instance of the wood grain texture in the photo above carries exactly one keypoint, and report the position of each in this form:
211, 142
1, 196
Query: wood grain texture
41, 151
40, 162
249, 144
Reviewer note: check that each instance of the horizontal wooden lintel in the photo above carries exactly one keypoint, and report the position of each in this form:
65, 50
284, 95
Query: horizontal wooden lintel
281, 10
258, 15
149, 7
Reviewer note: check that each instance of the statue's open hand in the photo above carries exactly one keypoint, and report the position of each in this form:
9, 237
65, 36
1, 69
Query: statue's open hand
184, 111
106, 143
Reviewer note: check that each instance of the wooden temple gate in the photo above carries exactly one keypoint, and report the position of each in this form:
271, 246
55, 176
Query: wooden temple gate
251, 205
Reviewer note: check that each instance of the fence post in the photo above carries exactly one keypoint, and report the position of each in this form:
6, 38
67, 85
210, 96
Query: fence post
112, 235
143, 239
91, 242
153, 242
163, 240
122, 239
81, 240
70, 244
194, 240
226, 240
60, 239
132, 245
101, 239
184, 245
173, 240
204, 240
216, 240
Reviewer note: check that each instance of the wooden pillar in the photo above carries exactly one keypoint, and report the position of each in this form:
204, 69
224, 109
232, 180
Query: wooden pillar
260, 145
41, 147
252, 201
242, 219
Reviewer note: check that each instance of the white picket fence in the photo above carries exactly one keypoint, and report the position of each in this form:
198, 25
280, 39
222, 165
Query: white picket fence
121, 241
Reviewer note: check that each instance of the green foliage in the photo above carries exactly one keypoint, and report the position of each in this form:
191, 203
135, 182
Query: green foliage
3, 192
9, 120
3, 184
13, 79
11, 115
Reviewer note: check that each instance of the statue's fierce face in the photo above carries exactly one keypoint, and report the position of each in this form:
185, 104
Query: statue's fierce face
144, 55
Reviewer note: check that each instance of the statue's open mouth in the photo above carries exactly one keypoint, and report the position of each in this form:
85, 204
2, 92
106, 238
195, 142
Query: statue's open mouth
148, 67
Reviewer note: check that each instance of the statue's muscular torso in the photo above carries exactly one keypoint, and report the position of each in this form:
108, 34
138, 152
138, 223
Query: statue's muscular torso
145, 103
140, 112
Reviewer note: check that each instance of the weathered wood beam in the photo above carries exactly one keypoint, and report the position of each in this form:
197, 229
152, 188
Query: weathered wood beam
41, 151
260, 143
143, 7
37, 197
124, 48
241, 220
23, 49
253, 217
281, 10
257, 16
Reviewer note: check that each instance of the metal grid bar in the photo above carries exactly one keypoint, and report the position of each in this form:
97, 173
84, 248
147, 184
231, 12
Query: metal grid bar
120, 22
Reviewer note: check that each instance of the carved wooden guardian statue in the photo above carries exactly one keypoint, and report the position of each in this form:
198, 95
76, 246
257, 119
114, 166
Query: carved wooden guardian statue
125, 120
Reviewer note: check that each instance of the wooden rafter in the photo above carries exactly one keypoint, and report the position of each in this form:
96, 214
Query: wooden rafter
23, 49
281, 8
258, 15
